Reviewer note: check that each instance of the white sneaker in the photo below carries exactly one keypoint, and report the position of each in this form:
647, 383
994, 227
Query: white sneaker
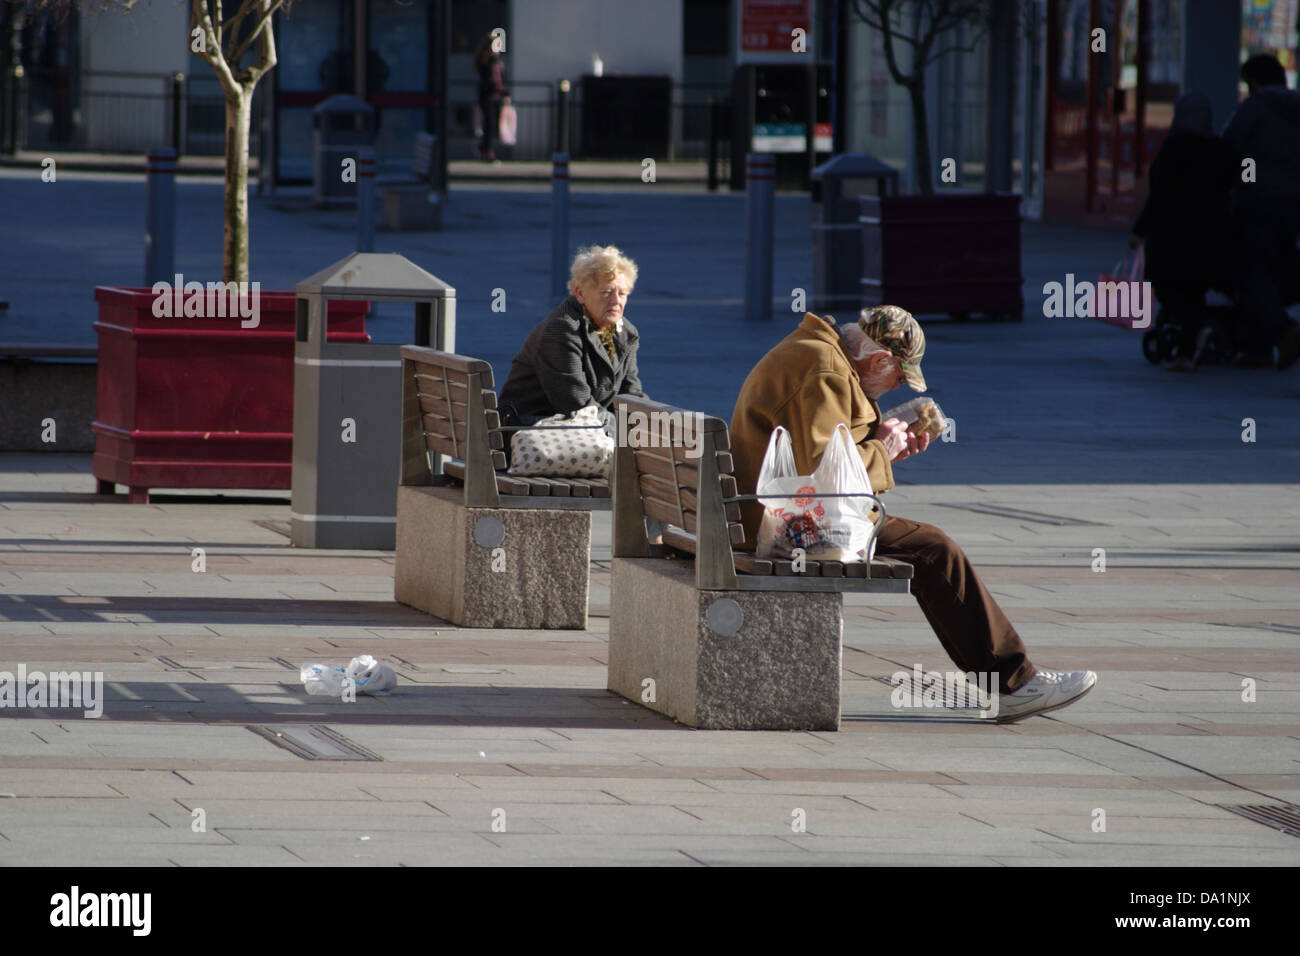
1046, 690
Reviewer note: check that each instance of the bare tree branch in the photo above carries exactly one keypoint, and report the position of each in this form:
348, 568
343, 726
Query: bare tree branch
268, 9
929, 33
211, 51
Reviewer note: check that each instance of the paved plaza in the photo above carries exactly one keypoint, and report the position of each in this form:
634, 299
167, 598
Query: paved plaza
503, 747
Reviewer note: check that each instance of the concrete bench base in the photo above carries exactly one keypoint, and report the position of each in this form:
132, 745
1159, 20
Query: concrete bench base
724, 660
445, 568
408, 207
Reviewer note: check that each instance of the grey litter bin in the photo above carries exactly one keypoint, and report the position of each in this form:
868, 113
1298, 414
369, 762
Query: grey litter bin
343, 124
837, 235
347, 402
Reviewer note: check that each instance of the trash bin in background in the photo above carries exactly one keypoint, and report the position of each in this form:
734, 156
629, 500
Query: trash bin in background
347, 413
343, 124
837, 235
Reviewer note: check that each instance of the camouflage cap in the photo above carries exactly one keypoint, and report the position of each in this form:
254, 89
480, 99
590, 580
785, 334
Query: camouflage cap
894, 329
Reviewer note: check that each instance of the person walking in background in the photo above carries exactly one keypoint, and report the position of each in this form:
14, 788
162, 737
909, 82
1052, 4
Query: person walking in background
1265, 129
491, 92
1185, 221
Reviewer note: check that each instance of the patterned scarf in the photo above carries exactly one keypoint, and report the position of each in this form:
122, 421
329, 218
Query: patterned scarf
607, 339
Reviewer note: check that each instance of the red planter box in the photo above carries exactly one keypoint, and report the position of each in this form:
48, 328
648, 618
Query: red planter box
952, 254
199, 402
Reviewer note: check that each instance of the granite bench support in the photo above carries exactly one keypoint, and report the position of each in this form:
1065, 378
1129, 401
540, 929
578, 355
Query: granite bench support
476, 546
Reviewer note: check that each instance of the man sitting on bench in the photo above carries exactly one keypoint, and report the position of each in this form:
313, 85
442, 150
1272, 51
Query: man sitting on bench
819, 376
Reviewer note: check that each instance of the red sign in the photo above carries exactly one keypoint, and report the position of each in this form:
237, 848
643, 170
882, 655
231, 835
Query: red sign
767, 26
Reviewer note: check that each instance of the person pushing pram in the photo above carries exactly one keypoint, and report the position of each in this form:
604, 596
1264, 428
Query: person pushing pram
1224, 214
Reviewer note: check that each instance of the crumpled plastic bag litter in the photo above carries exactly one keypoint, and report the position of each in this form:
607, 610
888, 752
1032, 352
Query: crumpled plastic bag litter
368, 676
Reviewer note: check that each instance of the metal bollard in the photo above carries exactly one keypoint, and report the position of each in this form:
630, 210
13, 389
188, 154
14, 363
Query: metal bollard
366, 199
760, 186
715, 132
559, 224
13, 100
177, 97
562, 118
160, 217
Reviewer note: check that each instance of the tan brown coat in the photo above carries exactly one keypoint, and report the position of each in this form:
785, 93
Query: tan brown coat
807, 384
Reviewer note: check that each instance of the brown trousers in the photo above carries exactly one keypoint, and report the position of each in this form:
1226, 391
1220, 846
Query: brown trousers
970, 625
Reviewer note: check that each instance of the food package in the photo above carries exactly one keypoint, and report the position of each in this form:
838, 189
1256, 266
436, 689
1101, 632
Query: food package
923, 416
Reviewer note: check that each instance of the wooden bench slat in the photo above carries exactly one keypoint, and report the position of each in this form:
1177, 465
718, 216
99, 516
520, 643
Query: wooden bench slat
726, 466
898, 569
669, 513
679, 539
659, 489
456, 469
432, 377
856, 569
508, 484
431, 382
690, 502
537, 487
652, 463
881, 569
558, 487
682, 453
748, 564
437, 404
425, 357
832, 569
442, 428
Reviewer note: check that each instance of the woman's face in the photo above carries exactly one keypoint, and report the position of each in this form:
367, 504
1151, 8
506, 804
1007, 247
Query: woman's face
604, 299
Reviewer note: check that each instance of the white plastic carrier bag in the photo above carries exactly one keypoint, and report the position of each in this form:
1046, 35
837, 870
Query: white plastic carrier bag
797, 512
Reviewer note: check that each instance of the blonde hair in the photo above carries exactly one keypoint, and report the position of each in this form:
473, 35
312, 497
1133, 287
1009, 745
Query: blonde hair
595, 264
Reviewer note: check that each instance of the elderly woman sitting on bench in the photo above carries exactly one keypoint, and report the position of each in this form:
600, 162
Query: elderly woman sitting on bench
584, 352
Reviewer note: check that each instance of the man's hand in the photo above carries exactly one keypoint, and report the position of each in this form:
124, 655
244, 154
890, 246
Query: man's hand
899, 442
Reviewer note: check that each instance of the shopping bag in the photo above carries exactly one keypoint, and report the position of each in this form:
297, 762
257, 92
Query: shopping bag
798, 511
1128, 270
574, 445
509, 125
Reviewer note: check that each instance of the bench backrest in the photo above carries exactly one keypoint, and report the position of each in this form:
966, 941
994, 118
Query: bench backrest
422, 163
675, 465
449, 408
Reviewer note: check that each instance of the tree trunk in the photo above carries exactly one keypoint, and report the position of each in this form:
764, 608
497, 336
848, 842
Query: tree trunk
921, 140
234, 253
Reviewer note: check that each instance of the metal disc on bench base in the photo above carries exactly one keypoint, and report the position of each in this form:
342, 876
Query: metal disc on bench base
489, 532
725, 617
